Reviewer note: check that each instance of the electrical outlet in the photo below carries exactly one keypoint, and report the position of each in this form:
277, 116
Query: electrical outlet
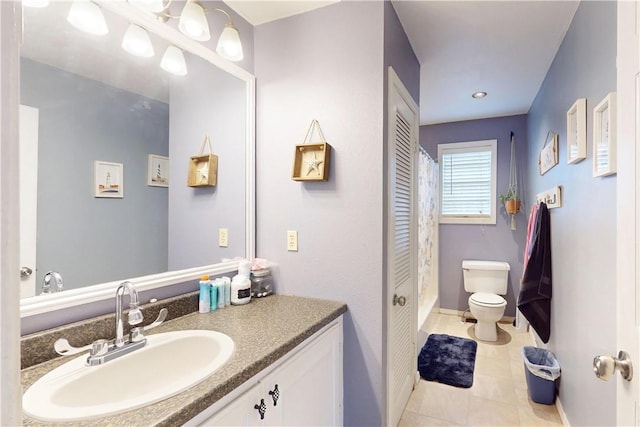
223, 237
292, 240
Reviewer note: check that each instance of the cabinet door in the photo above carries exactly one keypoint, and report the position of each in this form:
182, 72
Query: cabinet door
240, 412
309, 385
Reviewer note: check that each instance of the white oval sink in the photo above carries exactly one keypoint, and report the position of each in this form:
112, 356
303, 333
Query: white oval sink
168, 364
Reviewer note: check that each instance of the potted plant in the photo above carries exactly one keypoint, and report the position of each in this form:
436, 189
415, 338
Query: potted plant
511, 202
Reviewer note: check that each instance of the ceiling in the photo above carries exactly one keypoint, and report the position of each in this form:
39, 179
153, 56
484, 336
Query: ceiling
504, 48
501, 47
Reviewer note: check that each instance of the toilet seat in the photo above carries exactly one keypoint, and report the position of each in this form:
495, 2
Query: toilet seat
487, 300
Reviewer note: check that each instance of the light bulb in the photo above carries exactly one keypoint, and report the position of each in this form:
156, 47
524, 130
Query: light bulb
229, 45
87, 16
136, 41
173, 61
193, 22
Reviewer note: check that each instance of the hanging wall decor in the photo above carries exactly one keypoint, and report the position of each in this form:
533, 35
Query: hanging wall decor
577, 131
604, 136
311, 160
549, 154
108, 179
157, 171
511, 199
203, 168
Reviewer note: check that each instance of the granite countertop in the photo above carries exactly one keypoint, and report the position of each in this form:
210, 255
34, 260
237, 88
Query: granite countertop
263, 331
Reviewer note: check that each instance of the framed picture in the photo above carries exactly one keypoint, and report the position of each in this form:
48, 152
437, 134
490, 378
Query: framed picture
158, 171
604, 136
108, 179
549, 154
577, 131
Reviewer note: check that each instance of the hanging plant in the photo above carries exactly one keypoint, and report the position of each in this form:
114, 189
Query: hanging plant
510, 198
511, 202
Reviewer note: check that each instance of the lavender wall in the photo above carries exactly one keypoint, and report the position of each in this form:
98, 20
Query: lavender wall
206, 101
583, 233
399, 54
484, 242
328, 65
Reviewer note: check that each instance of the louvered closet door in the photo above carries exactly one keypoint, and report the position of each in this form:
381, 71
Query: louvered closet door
401, 248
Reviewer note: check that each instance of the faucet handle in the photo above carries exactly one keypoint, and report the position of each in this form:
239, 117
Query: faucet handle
97, 348
137, 334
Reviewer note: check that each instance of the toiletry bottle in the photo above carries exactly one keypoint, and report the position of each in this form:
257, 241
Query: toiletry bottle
213, 289
220, 285
205, 295
241, 285
227, 290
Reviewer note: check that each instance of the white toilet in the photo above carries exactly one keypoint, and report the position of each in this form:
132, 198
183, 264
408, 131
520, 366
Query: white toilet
486, 280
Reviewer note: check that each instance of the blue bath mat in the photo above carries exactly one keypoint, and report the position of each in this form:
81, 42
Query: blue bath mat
448, 359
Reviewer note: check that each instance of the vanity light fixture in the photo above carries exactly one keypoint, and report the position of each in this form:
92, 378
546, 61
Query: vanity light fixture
173, 61
193, 23
136, 41
479, 95
87, 16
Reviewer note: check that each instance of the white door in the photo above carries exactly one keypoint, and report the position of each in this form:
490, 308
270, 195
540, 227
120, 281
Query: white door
628, 217
402, 238
28, 198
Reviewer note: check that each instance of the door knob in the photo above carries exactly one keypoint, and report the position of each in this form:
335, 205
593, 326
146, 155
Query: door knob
25, 271
605, 366
401, 301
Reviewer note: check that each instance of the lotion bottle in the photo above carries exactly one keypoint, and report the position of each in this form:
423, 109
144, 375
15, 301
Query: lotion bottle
213, 299
205, 295
227, 290
241, 285
220, 284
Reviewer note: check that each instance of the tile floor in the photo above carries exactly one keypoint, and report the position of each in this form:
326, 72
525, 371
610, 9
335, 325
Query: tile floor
499, 395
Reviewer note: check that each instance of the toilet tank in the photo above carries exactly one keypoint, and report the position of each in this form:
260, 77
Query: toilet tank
485, 276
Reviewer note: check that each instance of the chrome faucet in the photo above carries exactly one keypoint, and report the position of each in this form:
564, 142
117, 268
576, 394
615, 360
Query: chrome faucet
100, 351
47, 285
135, 315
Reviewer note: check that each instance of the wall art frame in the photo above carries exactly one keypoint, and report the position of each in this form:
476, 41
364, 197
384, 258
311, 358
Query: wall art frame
605, 136
158, 171
108, 179
311, 161
577, 131
548, 157
203, 168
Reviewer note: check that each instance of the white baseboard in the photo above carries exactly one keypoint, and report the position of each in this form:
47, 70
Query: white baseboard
505, 319
563, 415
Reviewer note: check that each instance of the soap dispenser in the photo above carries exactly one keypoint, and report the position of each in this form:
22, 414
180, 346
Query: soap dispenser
241, 285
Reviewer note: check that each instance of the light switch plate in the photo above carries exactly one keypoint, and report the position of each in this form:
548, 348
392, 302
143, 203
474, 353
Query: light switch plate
292, 240
223, 237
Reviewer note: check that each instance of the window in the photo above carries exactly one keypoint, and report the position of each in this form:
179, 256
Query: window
468, 182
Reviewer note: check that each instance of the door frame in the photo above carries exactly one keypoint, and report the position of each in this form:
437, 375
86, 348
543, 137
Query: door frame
10, 39
628, 215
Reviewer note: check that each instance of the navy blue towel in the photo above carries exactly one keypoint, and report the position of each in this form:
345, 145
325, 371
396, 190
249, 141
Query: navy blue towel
448, 359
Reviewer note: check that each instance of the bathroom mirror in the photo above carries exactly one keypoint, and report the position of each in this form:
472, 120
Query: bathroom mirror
93, 104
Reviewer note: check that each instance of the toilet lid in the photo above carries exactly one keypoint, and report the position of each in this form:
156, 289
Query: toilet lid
487, 299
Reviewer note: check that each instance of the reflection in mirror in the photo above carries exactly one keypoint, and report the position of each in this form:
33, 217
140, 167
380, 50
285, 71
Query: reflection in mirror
92, 101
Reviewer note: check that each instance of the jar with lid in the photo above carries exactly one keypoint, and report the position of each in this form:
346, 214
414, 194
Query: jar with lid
261, 283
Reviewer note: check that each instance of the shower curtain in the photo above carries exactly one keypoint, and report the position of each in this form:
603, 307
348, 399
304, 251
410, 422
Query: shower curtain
427, 227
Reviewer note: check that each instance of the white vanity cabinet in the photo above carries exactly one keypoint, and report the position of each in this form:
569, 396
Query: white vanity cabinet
306, 385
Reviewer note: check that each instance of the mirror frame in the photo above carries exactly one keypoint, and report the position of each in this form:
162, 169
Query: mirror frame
75, 297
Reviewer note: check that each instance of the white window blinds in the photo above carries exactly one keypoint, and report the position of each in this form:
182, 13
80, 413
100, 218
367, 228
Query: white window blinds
468, 174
